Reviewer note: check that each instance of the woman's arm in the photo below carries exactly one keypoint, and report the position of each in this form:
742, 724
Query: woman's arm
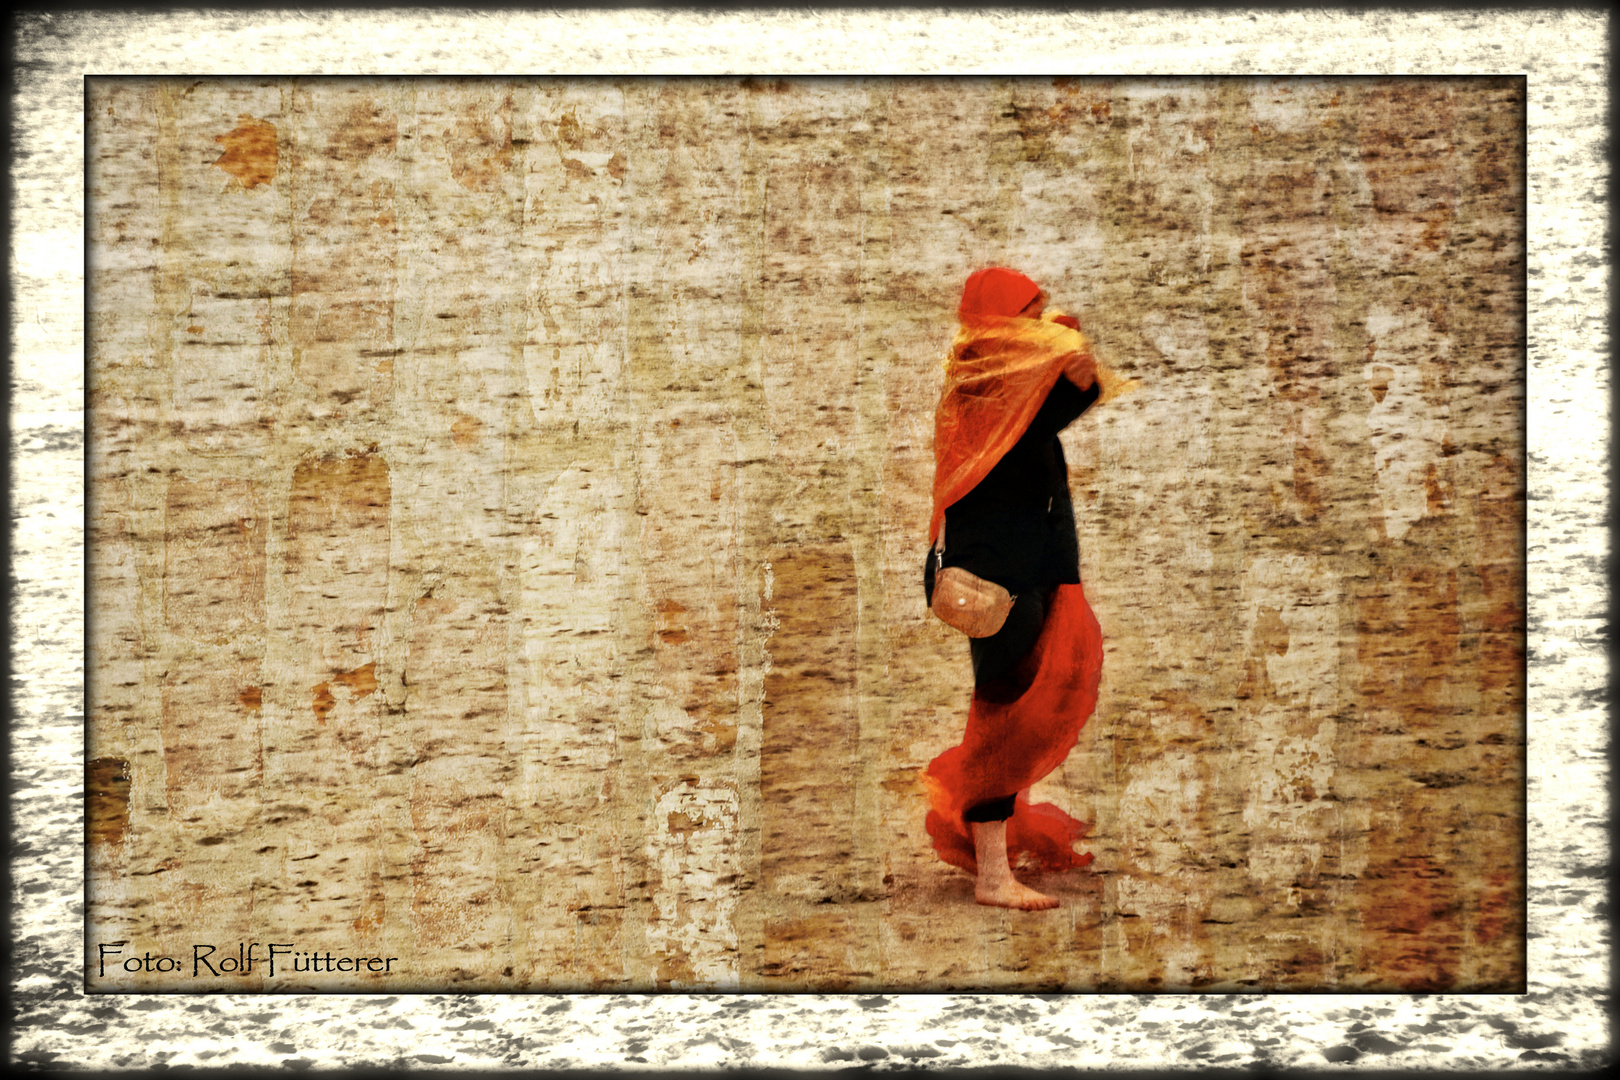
1063, 406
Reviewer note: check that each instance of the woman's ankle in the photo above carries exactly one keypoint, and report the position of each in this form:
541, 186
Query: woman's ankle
990, 850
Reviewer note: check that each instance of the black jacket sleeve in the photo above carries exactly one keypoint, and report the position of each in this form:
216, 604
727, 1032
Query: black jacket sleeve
1065, 404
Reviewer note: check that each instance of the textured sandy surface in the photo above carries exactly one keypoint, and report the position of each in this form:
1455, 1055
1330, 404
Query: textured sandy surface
715, 453
506, 500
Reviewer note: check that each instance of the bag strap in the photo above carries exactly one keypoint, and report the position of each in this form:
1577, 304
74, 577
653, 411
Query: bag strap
938, 552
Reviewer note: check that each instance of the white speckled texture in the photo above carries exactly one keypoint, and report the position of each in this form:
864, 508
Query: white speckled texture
1559, 1024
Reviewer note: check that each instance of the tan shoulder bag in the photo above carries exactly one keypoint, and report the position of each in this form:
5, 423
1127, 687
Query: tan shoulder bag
965, 601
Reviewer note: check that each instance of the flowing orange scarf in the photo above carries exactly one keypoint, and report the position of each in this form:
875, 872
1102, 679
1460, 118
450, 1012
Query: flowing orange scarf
996, 378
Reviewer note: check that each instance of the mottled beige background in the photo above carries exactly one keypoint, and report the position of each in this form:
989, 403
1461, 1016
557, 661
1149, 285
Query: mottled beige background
508, 502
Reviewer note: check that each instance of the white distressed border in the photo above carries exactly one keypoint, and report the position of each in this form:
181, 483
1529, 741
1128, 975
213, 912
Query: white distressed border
1563, 55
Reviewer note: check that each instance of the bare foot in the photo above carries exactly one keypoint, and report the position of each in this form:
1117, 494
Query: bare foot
996, 885
1011, 893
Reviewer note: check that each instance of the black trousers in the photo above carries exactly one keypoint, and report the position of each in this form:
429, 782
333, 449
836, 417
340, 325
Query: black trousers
995, 657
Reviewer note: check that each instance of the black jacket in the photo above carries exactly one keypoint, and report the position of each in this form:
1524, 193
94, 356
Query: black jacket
1016, 527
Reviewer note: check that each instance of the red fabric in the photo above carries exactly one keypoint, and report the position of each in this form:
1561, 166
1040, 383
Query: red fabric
996, 291
1011, 745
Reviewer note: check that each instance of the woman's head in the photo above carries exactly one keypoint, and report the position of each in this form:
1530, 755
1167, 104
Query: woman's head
1003, 292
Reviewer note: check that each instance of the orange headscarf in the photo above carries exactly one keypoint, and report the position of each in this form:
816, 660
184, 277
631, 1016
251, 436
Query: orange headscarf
996, 291
998, 374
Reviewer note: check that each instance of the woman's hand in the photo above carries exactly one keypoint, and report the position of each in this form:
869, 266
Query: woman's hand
1081, 370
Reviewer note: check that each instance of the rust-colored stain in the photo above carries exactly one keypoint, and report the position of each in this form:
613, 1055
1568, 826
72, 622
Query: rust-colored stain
674, 970
361, 682
372, 914
1414, 935
1270, 633
336, 565
670, 627
370, 919
339, 491
814, 950
695, 644
251, 698
1379, 376
692, 587
322, 701
367, 130
905, 781
681, 824
465, 430
344, 246
250, 151
807, 748
1501, 907
481, 147
1311, 468
1408, 642
1407, 639
210, 736
1411, 160
106, 786
1501, 576
1505, 615
569, 130
1038, 125
1436, 499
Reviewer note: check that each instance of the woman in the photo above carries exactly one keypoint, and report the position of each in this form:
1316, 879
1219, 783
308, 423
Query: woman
1002, 512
